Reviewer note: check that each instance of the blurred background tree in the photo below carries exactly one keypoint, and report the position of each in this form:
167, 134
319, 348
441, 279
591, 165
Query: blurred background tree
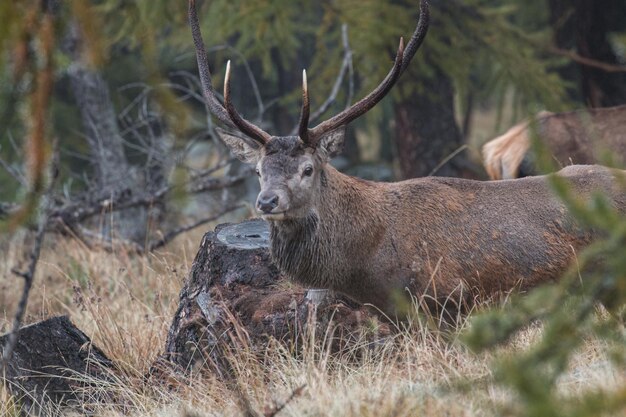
596, 31
132, 129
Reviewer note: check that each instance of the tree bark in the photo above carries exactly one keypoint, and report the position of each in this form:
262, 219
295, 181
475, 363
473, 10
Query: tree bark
235, 298
584, 25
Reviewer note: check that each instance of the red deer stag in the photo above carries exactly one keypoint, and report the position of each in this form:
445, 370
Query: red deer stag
376, 241
577, 137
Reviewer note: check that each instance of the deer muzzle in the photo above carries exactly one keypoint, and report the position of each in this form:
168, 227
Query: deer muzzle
272, 204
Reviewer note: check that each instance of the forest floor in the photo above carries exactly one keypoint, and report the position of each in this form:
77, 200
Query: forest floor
125, 303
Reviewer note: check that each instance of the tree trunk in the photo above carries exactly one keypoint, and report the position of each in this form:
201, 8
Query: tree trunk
583, 26
52, 362
425, 128
236, 299
113, 173
100, 123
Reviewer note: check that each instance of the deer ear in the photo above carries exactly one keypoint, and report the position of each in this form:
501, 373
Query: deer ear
246, 150
331, 144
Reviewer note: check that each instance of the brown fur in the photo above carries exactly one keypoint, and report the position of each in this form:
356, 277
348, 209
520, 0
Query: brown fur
376, 241
578, 137
443, 238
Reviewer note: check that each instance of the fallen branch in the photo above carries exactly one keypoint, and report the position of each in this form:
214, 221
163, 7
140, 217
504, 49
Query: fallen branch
173, 233
93, 239
123, 199
212, 184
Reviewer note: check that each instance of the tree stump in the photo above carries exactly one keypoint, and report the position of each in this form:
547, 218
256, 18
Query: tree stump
236, 298
49, 362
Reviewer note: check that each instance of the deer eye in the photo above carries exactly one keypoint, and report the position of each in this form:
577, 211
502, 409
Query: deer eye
258, 173
308, 171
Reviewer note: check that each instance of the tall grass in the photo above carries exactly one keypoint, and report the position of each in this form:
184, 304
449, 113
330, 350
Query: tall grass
125, 302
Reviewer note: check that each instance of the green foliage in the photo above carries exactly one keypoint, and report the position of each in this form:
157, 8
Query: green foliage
568, 313
488, 47
261, 29
484, 46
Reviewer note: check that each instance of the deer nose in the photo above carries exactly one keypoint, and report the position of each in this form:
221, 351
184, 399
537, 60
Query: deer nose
267, 202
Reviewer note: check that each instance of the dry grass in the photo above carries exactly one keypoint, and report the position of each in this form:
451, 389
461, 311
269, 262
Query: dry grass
125, 302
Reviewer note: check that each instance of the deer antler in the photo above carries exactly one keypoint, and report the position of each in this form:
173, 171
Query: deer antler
228, 115
242, 124
303, 130
403, 57
232, 118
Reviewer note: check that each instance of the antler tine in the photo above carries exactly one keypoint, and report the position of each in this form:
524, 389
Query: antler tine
242, 124
401, 62
211, 101
303, 131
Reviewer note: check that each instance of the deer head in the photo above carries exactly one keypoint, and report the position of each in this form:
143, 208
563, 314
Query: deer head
291, 168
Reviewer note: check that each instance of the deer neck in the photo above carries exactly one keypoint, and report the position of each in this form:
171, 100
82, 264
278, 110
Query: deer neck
301, 246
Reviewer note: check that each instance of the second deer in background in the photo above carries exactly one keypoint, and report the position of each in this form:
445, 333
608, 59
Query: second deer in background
576, 137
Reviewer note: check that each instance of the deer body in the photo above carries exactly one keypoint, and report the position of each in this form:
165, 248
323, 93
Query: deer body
375, 242
436, 236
